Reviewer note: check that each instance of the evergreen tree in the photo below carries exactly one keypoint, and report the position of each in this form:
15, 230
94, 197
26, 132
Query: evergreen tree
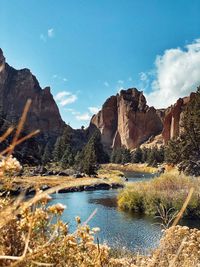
186, 149
67, 158
116, 156
46, 157
137, 156
126, 155
144, 155
91, 155
61, 144
58, 150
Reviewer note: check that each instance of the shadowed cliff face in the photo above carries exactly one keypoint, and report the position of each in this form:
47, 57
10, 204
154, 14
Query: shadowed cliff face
173, 117
126, 120
16, 86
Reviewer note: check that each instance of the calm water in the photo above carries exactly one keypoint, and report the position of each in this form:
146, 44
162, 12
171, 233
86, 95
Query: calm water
118, 228
138, 176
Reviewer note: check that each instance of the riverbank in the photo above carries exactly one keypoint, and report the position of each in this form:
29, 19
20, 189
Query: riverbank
105, 180
165, 193
130, 167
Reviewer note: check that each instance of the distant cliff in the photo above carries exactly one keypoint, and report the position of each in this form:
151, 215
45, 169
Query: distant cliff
124, 120
16, 86
127, 120
173, 116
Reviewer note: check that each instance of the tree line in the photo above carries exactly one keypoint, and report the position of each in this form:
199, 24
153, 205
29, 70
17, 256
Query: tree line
183, 151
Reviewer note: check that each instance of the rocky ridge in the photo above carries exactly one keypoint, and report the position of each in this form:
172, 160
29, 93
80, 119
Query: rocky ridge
124, 120
127, 120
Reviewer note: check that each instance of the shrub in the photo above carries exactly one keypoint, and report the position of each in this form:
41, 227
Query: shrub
168, 190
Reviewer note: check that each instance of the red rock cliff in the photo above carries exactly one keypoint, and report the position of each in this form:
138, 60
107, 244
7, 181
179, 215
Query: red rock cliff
16, 86
172, 118
126, 120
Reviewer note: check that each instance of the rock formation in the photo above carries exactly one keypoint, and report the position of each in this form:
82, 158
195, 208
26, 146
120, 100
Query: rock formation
172, 118
16, 86
126, 120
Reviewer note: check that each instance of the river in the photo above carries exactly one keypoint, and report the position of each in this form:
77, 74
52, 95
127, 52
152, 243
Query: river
118, 229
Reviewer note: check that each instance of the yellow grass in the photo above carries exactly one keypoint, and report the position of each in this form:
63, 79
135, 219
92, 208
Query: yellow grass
130, 167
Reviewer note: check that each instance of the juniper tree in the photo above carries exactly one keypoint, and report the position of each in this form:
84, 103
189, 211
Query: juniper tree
67, 158
137, 155
185, 150
46, 157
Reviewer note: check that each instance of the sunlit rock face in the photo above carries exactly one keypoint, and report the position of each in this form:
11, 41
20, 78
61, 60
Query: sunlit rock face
127, 120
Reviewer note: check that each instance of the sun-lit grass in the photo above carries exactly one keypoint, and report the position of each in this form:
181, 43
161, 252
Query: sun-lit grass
168, 190
130, 167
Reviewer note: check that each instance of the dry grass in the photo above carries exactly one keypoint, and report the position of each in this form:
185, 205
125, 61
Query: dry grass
169, 190
130, 167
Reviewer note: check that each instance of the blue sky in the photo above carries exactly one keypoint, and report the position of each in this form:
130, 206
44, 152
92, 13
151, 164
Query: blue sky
87, 50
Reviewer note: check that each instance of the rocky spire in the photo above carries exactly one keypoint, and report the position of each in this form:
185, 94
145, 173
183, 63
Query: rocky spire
2, 60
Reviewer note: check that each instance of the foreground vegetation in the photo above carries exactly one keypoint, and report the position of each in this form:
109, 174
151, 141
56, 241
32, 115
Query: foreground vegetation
34, 235
166, 192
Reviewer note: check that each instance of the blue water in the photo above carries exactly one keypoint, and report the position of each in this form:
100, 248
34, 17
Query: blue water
118, 228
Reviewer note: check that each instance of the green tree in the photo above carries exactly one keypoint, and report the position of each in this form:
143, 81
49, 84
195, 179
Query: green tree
185, 150
67, 158
126, 155
58, 150
61, 144
137, 155
46, 157
92, 154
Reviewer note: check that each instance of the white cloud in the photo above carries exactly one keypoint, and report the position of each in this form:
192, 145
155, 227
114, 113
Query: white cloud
65, 98
93, 110
51, 33
130, 79
83, 117
65, 79
144, 78
106, 84
177, 74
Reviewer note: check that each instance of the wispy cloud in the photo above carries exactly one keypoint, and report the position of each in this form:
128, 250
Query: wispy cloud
65, 98
48, 35
93, 110
59, 78
51, 33
177, 73
106, 84
83, 117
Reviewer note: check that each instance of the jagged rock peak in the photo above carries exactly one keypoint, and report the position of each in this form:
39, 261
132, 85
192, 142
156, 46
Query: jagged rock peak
16, 86
126, 120
2, 60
